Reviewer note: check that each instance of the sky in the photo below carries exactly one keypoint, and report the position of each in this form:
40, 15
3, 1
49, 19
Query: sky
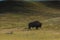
2, 0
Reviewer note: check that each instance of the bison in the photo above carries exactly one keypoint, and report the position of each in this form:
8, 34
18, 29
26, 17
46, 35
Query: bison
34, 24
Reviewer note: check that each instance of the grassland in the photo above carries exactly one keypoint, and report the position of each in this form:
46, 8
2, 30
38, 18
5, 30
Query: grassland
18, 23
31, 35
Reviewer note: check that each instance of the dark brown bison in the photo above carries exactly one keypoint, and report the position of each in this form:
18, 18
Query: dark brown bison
34, 24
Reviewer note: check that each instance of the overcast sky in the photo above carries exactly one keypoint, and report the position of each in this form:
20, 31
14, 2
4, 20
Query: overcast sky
2, 0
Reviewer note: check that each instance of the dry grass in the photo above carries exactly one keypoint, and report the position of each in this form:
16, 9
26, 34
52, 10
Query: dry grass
31, 35
17, 23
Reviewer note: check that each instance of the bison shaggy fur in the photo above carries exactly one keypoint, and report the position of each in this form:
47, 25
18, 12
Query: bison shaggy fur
34, 24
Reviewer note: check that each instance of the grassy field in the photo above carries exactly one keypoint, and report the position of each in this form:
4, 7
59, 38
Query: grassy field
31, 35
18, 23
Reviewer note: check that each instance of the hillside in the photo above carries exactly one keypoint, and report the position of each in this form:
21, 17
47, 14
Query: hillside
29, 11
15, 17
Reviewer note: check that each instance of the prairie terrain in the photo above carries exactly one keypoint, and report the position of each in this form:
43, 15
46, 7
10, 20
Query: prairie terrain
17, 22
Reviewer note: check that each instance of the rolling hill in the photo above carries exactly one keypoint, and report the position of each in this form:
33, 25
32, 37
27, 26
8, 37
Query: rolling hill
23, 13
15, 18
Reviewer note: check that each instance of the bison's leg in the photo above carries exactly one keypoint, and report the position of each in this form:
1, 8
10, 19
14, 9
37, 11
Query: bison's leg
29, 27
36, 28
